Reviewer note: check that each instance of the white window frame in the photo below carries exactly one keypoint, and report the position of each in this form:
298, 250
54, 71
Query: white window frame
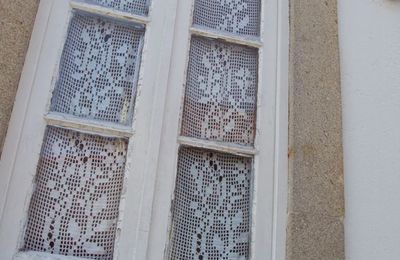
145, 209
31, 116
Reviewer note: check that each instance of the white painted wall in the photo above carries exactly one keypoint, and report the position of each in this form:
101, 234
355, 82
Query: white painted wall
370, 64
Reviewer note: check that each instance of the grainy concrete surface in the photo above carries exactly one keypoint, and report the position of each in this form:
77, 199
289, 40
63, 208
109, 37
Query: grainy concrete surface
316, 197
16, 23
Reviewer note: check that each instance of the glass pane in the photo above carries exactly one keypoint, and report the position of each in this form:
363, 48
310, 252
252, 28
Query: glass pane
239, 17
140, 7
221, 90
98, 70
75, 205
211, 212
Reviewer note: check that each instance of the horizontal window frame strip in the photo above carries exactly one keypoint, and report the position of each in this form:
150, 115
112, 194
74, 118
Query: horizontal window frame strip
109, 13
195, 31
235, 149
88, 126
35, 255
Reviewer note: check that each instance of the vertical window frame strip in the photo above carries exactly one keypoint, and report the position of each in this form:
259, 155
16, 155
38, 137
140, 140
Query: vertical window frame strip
281, 126
22, 99
158, 233
133, 240
272, 134
32, 131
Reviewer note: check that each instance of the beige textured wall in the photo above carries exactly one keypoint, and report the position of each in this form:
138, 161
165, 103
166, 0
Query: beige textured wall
16, 23
316, 197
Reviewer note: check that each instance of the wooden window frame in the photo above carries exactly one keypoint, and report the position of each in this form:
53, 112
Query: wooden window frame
31, 116
270, 151
144, 220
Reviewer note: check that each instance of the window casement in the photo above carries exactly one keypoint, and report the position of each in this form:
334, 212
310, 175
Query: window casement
149, 130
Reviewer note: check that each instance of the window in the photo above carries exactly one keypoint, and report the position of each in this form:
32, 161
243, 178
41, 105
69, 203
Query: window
211, 213
149, 130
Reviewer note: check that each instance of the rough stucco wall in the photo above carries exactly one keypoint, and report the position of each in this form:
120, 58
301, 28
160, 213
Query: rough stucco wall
16, 23
316, 198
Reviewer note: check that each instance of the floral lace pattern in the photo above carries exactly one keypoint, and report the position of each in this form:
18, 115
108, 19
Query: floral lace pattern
74, 209
211, 213
220, 99
240, 17
98, 70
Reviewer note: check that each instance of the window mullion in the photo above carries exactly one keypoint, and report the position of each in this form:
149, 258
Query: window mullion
88, 126
241, 150
250, 42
